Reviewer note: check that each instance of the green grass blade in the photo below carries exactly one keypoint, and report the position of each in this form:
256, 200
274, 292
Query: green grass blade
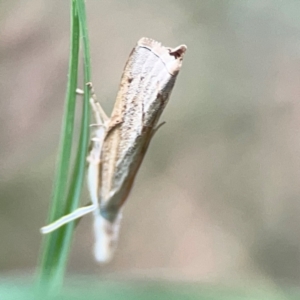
80, 163
49, 267
57, 245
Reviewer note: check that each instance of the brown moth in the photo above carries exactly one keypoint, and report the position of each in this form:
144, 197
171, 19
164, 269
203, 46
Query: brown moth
119, 144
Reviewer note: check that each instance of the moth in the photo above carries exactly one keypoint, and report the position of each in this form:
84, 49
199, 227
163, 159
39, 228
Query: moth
119, 143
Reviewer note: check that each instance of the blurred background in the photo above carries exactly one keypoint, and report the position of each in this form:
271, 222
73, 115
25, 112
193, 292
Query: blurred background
217, 197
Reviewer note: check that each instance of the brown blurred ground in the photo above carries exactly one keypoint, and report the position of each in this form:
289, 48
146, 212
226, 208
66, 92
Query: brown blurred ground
217, 197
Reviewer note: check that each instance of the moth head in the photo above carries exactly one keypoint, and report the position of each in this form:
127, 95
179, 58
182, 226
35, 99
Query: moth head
177, 55
171, 57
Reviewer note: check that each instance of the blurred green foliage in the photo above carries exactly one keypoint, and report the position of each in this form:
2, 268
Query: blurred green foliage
77, 290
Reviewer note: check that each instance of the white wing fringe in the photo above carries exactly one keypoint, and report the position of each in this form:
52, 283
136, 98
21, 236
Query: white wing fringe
106, 237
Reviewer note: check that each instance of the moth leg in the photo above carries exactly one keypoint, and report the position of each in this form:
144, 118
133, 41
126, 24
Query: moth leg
154, 130
105, 232
76, 214
93, 169
99, 113
79, 92
92, 177
157, 127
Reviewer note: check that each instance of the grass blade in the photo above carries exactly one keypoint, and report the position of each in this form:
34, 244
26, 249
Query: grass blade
51, 270
80, 162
